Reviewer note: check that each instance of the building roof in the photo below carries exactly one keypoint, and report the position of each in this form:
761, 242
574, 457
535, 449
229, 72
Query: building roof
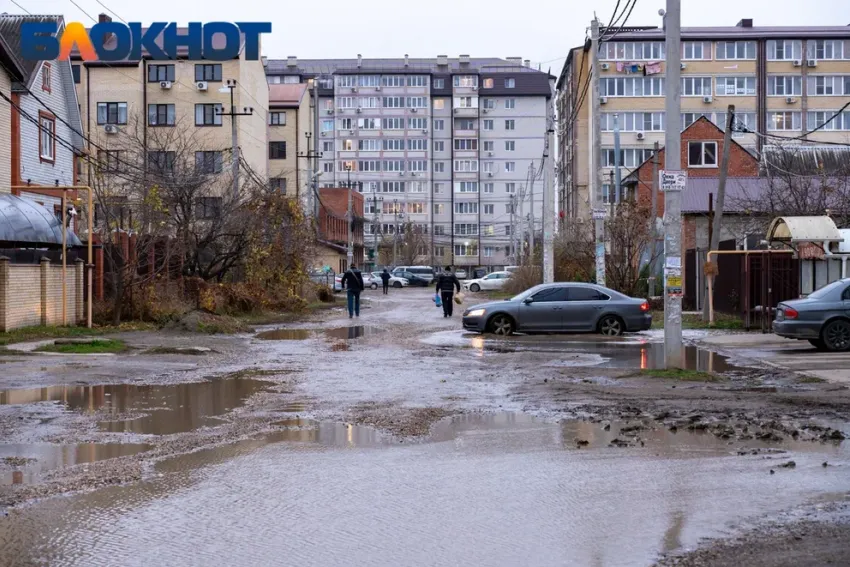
10, 30
287, 94
804, 229
26, 223
739, 31
337, 208
313, 67
10, 62
739, 192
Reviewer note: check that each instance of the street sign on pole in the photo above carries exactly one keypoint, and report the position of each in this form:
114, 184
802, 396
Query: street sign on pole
599, 214
673, 180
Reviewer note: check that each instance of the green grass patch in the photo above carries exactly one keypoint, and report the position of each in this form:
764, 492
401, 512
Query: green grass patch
26, 334
809, 380
96, 346
682, 375
495, 295
722, 321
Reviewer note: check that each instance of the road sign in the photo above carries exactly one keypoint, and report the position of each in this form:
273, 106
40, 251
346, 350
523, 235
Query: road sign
599, 214
673, 180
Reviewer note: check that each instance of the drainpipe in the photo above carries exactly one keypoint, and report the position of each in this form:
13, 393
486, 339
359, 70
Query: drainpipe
88, 121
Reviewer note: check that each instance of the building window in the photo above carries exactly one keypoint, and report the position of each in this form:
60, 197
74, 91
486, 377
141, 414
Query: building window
827, 49
112, 113
466, 208
328, 167
208, 114
207, 163
367, 145
510, 103
439, 125
161, 115
696, 50
161, 162
439, 251
327, 125
487, 83
278, 184
488, 125
510, 83
466, 102
696, 86
277, 150
439, 167
487, 167
818, 120
510, 124
489, 209
510, 187
510, 145
159, 73
466, 187
702, 154
47, 137
277, 118
488, 250
466, 229
466, 144
467, 81
417, 81
735, 50
417, 144
466, 249
784, 50
488, 187
778, 85
629, 157
439, 83
510, 166
208, 72
438, 208
109, 161
784, 121
834, 85
489, 103
46, 72
439, 104
508, 230
439, 146
438, 188
466, 165
634, 121
489, 145
209, 208
75, 71
632, 51
327, 147
736, 86
369, 123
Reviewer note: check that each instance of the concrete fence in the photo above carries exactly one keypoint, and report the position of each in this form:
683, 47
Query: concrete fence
32, 295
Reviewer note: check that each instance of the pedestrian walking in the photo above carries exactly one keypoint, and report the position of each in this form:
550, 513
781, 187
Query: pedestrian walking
385, 277
446, 284
353, 280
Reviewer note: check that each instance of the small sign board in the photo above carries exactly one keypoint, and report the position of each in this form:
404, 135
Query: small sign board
599, 214
673, 180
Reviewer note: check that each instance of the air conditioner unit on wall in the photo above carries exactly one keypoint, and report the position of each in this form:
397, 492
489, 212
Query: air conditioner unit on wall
165, 84
812, 62
359, 110
413, 110
377, 88
603, 100
790, 100
330, 111
202, 85
110, 129
798, 63
605, 66
707, 99
641, 135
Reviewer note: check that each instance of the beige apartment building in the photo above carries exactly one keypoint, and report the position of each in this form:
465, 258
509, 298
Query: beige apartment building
163, 107
290, 134
783, 81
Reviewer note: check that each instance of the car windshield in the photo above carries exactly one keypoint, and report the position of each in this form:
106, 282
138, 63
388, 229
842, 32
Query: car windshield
827, 289
526, 293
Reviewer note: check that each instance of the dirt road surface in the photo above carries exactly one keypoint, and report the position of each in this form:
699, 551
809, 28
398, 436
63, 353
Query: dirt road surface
396, 438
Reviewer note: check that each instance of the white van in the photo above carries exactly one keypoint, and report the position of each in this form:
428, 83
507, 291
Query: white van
424, 271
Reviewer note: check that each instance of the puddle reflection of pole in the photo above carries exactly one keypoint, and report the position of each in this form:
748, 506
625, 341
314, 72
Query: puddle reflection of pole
644, 362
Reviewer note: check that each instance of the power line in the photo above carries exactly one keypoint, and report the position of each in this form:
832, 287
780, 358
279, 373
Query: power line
111, 11
21, 7
83, 11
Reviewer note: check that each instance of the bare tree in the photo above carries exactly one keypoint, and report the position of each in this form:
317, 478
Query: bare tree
630, 238
410, 246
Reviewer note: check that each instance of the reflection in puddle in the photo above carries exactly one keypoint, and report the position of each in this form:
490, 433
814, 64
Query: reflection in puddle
348, 333
168, 409
285, 335
328, 433
38, 458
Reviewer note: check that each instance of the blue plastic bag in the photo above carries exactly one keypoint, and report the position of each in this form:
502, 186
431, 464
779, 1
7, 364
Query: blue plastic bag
437, 300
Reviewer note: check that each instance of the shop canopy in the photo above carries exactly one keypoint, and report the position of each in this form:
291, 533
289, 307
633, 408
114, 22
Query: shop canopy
803, 229
26, 224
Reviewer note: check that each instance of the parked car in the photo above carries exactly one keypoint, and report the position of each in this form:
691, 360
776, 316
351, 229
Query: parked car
415, 280
561, 307
426, 272
329, 279
822, 318
461, 274
489, 282
395, 282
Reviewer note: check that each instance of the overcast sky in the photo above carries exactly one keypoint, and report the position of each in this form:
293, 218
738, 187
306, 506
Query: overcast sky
540, 30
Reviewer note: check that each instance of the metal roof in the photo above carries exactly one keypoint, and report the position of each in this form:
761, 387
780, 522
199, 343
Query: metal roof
739, 32
287, 94
10, 29
394, 65
25, 223
803, 229
741, 193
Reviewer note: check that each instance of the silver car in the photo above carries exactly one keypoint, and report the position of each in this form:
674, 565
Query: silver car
822, 318
561, 308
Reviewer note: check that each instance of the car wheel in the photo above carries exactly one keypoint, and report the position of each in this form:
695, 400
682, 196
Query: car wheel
836, 335
611, 326
374, 286
396, 285
475, 288
818, 344
501, 325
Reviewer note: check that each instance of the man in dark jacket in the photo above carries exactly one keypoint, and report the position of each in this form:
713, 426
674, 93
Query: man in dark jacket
385, 277
353, 280
446, 284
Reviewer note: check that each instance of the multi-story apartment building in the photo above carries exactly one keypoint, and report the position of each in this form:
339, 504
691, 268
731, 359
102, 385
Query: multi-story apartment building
444, 144
290, 129
783, 81
163, 107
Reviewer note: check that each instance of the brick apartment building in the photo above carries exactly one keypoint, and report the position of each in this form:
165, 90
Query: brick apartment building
332, 247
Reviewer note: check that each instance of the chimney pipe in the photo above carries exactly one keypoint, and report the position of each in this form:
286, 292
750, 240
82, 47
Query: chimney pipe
745, 23
406, 60
103, 18
359, 60
464, 59
527, 62
292, 61
442, 59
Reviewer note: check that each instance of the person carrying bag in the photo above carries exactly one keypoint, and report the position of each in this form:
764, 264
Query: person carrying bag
447, 282
353, 280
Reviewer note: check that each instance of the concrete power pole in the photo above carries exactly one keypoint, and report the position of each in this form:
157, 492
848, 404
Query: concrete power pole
617, 163
673, 195
596, 178
531, 214
513, 229
234, 137
350, 218
548, 209
653, 228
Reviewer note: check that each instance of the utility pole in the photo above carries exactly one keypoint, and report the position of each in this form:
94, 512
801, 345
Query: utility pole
653, 226
513, 228
596, 178
617, 163
234, 138
710, 267
531, 213
316, 153
521, 222
350, 217
395, 236
673, 195
312, 178
548, 226
375, 227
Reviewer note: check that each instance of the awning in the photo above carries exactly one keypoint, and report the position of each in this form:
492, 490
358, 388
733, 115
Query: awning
803, 229
26, 224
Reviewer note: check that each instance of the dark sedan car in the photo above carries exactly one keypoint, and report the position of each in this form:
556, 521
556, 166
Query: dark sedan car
561, 308
822, 318
415, 280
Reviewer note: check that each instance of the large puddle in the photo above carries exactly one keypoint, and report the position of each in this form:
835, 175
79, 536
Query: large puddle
154, 410
31, 461
486, 489
590, 350
340, 333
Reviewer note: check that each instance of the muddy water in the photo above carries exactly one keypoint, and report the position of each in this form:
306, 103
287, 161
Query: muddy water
592, 350
156, 410
36, 459
340, 333
493, 489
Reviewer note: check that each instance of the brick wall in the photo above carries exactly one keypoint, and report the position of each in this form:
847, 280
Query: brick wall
28, 292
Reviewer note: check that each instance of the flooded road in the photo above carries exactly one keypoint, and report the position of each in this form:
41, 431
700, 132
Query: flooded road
495, 489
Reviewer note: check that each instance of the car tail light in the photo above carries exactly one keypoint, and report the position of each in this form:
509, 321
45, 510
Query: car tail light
790, 313
644, 306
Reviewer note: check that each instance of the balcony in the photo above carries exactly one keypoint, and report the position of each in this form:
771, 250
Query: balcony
465, 112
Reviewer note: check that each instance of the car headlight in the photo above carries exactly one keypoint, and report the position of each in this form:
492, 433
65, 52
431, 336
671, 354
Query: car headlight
475, 313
